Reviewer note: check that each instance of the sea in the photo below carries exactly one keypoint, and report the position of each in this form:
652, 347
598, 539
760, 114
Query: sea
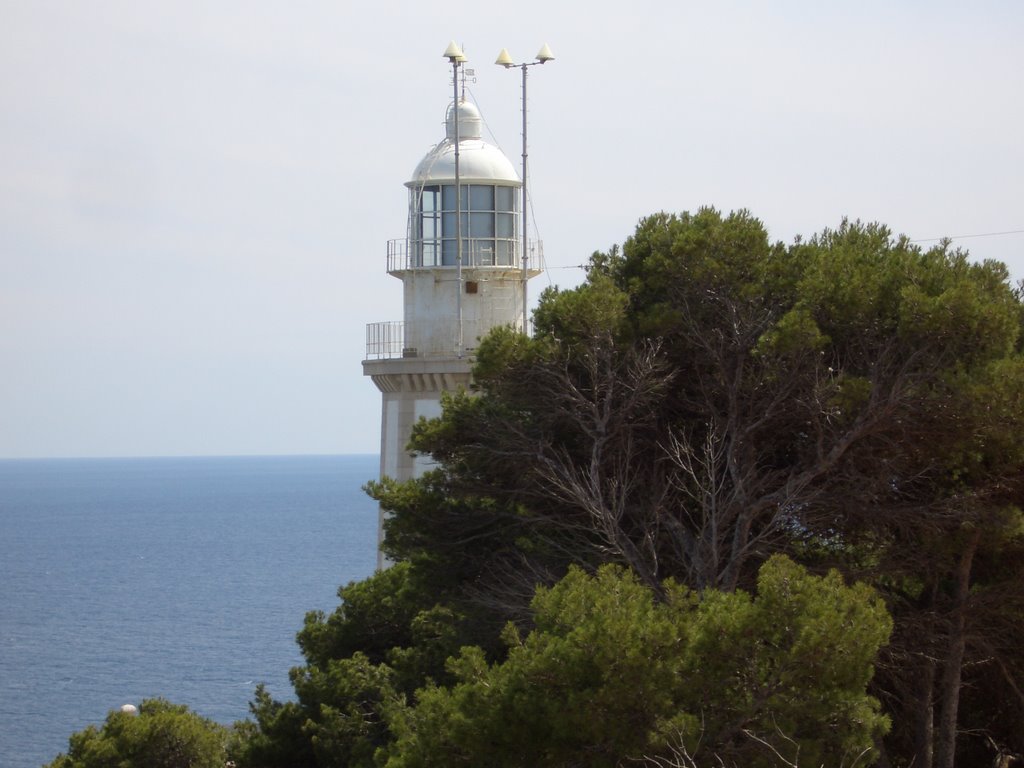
184, 578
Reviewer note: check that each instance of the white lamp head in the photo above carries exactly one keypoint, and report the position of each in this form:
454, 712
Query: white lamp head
545, 55
504, 59
453, 53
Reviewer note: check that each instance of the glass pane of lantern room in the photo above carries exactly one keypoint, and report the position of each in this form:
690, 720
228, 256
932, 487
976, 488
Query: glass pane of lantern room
448, 224
428, 199
481, 225
506, 225
430, 253
506, 198
449, 253
503, 253
481, 198
448, 197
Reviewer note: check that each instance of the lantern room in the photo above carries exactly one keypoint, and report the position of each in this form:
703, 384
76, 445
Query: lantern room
489, 204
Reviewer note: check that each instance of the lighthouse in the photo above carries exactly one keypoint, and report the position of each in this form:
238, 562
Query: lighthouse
463, 272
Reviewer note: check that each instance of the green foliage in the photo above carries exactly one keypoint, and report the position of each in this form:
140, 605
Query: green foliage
708, 397
790, 665
795, 333
676, 268
375, 615
276, 739
705, 399
436, 634
595, 309
610, 674
387, 638
501, 349
347, 696
862, 285
161, 735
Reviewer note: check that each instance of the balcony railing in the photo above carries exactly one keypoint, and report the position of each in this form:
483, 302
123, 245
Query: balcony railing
385, 340
404, 253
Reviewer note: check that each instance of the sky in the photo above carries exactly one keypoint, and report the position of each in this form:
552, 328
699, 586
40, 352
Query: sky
195, 197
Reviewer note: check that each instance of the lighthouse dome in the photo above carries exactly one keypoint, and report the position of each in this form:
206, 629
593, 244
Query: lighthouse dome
478, 160
470, 122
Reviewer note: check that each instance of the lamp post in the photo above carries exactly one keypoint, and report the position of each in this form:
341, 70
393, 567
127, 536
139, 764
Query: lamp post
455, 55
505, 60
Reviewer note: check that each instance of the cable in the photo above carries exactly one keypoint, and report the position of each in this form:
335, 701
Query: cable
964, 237
483, 119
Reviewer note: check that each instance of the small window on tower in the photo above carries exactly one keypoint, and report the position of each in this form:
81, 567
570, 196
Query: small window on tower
471, 286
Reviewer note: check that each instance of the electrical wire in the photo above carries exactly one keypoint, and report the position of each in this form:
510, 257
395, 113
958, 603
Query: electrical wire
964, 237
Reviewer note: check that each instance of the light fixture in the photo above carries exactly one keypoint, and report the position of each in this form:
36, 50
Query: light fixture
505, 60
545, 55
454, 54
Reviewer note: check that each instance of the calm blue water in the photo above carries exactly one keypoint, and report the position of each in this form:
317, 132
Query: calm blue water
122, 579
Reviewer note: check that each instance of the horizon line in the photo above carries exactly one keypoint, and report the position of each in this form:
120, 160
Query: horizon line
187, 456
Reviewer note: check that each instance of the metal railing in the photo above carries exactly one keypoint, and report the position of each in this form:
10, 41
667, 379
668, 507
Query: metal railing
386, 340
398, 254
404, 253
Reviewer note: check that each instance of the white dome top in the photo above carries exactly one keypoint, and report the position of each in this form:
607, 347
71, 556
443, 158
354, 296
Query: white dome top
470, 122
478, 160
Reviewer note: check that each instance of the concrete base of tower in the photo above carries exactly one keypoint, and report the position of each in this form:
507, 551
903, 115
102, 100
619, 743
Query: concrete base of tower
410, 390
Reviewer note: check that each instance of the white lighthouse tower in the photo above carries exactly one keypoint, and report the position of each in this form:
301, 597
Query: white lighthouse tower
463, 273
